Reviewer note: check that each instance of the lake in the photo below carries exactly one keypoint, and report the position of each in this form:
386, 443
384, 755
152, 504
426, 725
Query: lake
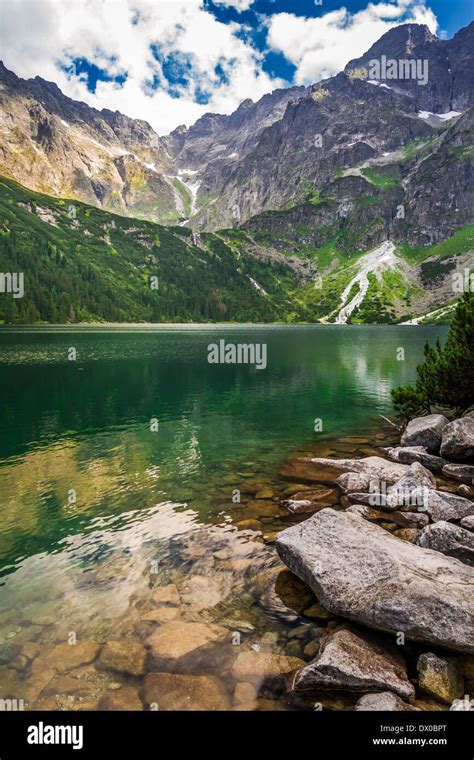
128, 468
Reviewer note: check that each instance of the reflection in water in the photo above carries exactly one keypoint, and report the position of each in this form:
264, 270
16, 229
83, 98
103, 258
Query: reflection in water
98, 511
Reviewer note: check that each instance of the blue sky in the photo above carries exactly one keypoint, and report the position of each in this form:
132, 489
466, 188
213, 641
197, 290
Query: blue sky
170, 61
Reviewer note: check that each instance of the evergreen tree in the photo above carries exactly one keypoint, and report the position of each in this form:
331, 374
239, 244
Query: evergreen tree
446, 378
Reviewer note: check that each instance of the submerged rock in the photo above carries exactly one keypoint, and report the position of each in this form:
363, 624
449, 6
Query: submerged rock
172, 641
450, 540
354, 662
251, 665
124, 700
370, 471
440, 677
458, 439
64, 657
170, 691
361, 572
126, 656
292, 591
385, 701
425, 431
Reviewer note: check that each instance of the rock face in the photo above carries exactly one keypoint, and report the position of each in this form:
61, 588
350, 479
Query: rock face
441, 677
425, 431
458, 439
170, 691
352, 662
386, 701
361, 572
448, 539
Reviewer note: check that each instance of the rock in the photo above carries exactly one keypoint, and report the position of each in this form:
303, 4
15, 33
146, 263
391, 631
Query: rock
425, 431
160, 615
249, 524
468, 522
166, 595
404, 519
66, 686
244, 693
317, 612
126, 699
302, 506
448, 539
441, 505
305, 470
371, 470
64, 657
293, 648
319, 494
126, 656
362, 572
350, 661
292, 591
172, 692
440, 677
265, 493
385, 701
263, 664
172, 641
410, 454
32, 687
464, 490
464, 472
468, 667
407, 534
411, 487
458, 439
312, 648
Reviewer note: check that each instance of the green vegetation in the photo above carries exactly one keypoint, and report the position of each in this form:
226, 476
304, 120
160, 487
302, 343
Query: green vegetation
446, 378
384, 181
461, 242
83, 264
185, 196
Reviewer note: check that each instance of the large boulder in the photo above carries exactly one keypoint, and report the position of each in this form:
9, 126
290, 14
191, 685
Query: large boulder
360, 571
425, 431
458, 439
441, 505
354, 662
410, 454
448, 539
463, 472
363, 474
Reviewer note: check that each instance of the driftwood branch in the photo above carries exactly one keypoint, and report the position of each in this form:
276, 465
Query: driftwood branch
397, 427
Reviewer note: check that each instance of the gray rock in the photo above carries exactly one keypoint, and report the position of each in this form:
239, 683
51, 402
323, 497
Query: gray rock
458, 439
464, 472
409, 488
441, 505
354, 662
410, 454
386, 701
364, 474
425, 431
449, 539
468, 522
360, 571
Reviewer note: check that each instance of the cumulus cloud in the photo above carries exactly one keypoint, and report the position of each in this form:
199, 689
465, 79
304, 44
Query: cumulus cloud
39, 37
320, 47
146, 41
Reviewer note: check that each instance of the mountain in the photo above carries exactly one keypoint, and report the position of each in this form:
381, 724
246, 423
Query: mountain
350, 200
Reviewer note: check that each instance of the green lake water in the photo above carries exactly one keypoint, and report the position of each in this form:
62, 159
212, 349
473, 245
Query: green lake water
97, 508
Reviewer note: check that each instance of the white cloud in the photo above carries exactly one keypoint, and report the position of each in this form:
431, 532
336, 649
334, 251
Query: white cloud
36, 36
320, 47
240, 5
